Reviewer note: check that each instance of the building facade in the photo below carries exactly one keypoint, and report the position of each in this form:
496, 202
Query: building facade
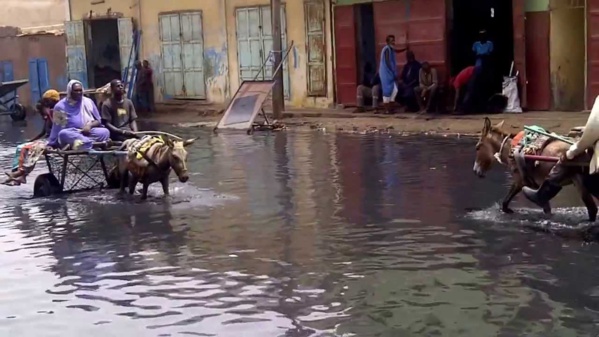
204, 49
39, 14
33, 46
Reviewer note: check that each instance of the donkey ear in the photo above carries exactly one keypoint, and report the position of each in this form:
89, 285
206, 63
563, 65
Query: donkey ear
487, 126
169, 142
499, 125
189, 142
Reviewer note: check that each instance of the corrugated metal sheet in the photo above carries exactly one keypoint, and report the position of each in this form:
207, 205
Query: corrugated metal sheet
254, 44
316, 47
125, 27
172, 68
76, 58
193, 55
592, 51
345, 55
538, 90
520, 47
420, 23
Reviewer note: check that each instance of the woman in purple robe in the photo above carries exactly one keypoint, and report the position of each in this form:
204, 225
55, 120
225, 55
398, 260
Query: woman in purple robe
76, 121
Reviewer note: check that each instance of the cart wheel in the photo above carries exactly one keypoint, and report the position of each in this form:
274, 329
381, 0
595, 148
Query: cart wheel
18, 113
46, 185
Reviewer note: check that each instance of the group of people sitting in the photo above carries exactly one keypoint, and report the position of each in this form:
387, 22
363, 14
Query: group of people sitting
75, 123
417, 87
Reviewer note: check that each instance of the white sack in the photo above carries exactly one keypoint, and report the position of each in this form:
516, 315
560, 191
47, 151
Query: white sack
510, 90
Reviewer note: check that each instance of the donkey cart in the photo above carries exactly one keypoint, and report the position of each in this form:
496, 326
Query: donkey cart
75, 171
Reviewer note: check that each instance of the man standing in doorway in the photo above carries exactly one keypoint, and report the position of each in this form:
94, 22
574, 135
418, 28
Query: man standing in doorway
388, 72
479, 89
148, 84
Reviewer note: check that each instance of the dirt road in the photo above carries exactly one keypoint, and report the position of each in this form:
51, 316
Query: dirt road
341, 121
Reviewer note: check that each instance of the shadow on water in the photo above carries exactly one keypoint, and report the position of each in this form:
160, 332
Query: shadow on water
296, 234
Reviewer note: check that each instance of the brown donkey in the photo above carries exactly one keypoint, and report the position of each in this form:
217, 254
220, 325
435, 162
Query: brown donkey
495, 143
156, 165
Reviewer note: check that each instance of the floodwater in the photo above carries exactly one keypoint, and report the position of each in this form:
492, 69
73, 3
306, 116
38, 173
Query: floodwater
296, 234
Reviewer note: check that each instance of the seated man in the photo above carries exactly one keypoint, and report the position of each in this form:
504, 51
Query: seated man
369, 89
425, 92
118, 113
76, 121
460, 84
27, 154
408, 82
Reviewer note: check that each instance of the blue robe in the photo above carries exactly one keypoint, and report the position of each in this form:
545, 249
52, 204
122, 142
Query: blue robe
388, 71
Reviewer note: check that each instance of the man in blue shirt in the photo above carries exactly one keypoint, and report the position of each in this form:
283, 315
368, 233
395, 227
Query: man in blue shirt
480, 87
482, 48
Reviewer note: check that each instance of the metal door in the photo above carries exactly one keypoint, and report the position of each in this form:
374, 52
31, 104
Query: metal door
76, 57
254, 44
182, 55
125, 27
193, 55
39, 80
7, 74
316, 72
538, 90
520, 48
345, 55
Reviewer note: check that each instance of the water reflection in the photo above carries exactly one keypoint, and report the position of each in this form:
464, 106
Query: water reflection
294, 234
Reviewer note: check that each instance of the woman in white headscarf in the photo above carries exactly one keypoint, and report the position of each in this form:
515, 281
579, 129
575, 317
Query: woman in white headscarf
76, 121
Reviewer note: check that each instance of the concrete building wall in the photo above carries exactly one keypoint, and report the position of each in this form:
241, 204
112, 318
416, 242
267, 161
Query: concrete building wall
215, 63
20, 49
33, 13
221, 66
296, 31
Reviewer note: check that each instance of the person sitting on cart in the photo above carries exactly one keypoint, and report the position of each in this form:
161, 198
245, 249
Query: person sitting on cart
118, 113
27, 154
76, 121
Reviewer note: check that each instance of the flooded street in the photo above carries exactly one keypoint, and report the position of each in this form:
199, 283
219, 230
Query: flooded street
295, 234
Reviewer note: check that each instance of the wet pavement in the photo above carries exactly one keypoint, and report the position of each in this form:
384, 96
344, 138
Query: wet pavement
296, 234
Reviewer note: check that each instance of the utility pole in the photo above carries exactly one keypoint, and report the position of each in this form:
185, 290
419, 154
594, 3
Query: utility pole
278, 98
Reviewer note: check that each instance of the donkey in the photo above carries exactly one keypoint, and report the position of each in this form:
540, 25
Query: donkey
155, 165
494, 144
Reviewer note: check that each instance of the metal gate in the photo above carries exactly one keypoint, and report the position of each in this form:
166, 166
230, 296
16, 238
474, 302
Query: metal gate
39, 80
181, 36
76, 56
254, 44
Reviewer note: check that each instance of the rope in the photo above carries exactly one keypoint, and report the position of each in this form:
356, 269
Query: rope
158, 133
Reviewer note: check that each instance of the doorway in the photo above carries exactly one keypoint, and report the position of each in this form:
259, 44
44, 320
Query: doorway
103, 54
567, 54
365, 42
494, 16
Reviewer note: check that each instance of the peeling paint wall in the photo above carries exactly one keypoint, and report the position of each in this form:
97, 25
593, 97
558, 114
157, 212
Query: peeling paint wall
80, 9
567, 56
221, 68
296, 31
215, 62
33, 13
